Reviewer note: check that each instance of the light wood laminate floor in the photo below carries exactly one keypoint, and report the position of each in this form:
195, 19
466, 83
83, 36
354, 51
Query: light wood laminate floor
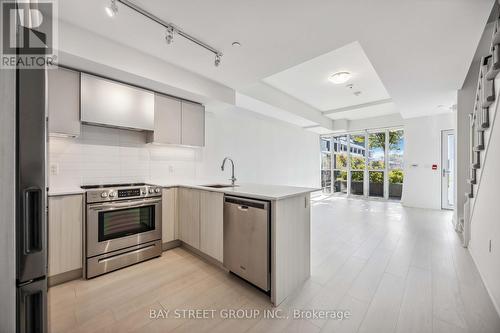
394, 269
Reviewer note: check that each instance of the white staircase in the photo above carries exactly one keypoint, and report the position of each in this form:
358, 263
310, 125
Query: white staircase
482, 120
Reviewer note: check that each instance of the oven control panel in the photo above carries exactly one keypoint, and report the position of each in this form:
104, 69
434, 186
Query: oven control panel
131, 192
122, 193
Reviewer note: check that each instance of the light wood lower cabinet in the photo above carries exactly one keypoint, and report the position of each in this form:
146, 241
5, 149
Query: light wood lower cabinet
189, 216
65, 230
200, 220
170, 215
211, 223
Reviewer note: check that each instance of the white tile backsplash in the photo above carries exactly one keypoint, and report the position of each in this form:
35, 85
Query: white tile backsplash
108, 155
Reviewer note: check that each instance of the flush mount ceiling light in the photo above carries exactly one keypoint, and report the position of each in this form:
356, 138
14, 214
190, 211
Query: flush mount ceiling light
236, 44
172, 29
340, 77
112, 9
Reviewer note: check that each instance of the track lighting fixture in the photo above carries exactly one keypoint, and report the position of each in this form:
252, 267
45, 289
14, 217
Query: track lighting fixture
112, 9
170, 35
171, 29
218, 57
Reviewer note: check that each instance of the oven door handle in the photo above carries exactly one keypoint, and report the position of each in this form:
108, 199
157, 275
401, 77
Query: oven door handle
128, 204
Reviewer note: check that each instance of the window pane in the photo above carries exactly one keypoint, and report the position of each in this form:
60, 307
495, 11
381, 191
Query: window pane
325, 144
340, 181
340, 161
358, 152
340, 146
357, 182
376, 186
376, 143
326, 171
340, 143
396, 149
396, 179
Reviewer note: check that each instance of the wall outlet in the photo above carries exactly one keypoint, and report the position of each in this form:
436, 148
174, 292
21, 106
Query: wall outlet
170, 169
54, 169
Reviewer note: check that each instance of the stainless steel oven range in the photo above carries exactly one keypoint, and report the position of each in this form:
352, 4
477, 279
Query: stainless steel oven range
122, 226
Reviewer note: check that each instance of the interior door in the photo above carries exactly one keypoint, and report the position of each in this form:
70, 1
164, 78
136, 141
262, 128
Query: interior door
447, 169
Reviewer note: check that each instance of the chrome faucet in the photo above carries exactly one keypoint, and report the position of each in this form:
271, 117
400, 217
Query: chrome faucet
233, 179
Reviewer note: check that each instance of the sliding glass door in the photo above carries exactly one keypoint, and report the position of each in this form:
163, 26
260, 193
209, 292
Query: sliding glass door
340, 166
326, 164
357, 163
376, 164
396, 150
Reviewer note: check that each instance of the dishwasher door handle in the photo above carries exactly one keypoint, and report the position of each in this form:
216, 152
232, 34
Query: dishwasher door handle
243, 208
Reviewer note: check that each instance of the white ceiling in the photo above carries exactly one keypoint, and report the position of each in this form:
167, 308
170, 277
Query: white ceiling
420, 49
364, 111
309, 82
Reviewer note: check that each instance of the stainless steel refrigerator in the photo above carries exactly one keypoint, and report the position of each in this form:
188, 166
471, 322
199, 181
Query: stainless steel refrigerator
31, 200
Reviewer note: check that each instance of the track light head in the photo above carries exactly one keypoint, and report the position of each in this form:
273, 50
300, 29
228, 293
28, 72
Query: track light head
169, 37
218, 57
112, 9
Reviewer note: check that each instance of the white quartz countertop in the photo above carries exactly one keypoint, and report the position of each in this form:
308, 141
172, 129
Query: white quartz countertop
258, 191
65, 191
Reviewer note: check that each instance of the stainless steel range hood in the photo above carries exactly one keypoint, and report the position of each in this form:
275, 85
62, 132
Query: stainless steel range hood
110, 103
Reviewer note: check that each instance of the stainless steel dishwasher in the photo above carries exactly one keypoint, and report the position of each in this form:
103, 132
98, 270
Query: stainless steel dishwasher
247, 239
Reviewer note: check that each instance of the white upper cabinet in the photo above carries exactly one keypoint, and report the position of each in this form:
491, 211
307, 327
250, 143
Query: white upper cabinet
64, 102
76, 98
178, 122
111, 103
167, 120
193, 124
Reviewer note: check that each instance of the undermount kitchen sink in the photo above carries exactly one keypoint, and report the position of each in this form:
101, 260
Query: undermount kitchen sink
219, 185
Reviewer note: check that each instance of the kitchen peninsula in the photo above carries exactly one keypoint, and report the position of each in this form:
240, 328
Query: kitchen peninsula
193, 217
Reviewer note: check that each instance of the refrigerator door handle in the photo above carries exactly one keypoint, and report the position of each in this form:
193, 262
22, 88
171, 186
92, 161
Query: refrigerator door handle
32, 220
32, 309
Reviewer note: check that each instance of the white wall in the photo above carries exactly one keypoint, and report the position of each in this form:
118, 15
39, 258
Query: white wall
264, 150
391, 120
422, 185
485, 224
